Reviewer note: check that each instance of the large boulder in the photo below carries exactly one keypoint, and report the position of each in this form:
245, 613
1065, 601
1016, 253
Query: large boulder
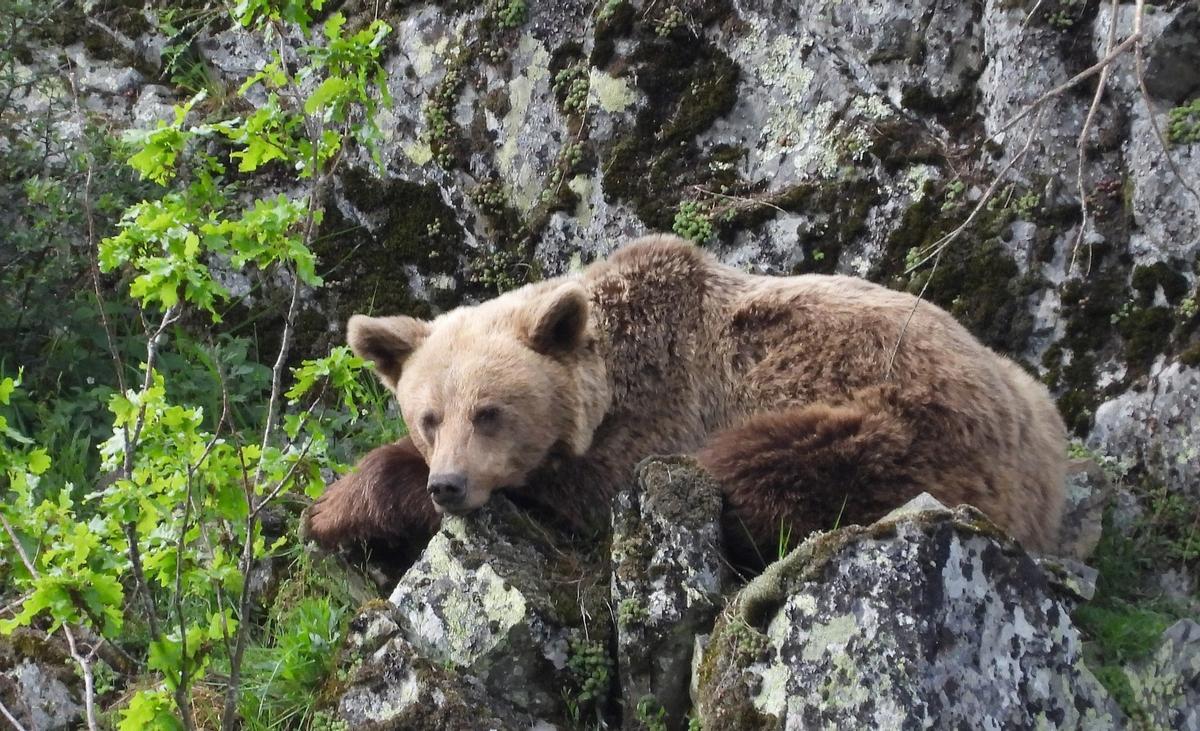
391, 686
667, 577
929, 618
501, 599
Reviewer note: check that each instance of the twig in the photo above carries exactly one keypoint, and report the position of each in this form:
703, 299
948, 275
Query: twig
941, 244
10, 717
85, 664
1083, 133
1070, 83
182, 699
93, 245
737, 199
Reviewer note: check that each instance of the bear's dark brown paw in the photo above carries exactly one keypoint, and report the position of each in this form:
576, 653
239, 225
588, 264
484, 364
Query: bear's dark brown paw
383, 501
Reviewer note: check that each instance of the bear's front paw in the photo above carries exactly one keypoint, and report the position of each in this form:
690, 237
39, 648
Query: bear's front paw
328, 520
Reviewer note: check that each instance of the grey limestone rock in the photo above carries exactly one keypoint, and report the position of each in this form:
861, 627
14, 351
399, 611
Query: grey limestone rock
38, 683
1167, 686
494, 597
667, 573
929, 618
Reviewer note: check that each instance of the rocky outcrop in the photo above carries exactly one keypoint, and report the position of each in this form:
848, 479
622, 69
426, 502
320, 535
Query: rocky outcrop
1088, 494
1167, 686
392, 686
928, 618
38, 682
495, 597
668, 572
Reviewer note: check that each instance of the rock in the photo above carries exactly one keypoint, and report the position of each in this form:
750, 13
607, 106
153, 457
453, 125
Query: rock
397, 688
667, 575
38, 682
1075, 580
1088, 494
926, 619
1159, 427
1173, 59
1167, 686
495, 597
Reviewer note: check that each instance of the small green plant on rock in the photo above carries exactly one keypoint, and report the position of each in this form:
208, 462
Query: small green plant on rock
610, 8
954, 193
650, 714
692, 222
509, 14
1027, 205
440, 128
490, 197
670, 22
631, 612
1183, 126
571, 88
588, 664
499, 270
1065, 16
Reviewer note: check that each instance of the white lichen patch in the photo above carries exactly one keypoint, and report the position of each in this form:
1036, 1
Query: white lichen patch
514, 158
464, 626
610, 93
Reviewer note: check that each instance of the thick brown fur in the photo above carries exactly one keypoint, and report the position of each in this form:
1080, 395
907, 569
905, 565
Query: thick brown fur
780, 385
385, 489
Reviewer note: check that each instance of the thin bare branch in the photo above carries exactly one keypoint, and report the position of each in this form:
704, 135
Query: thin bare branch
8, 716
936, 249
737, 199
1070, 83
1083, 133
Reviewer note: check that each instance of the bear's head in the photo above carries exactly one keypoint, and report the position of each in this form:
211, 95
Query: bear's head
491, 392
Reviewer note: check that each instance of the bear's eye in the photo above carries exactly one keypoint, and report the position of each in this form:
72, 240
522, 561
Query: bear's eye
429, 421
486, 416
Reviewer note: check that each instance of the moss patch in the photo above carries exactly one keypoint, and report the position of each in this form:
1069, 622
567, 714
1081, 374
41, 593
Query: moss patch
976, 280
365, 271
691, 83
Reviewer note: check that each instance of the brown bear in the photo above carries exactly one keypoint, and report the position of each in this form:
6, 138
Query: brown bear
785, 388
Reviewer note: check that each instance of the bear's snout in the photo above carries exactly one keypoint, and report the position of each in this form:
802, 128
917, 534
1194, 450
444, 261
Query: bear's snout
448, 489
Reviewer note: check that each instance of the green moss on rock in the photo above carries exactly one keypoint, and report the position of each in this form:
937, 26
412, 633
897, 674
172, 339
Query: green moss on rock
976, 280
690, 83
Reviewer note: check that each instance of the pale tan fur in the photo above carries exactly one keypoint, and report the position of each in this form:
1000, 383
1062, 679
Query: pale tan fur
675, 351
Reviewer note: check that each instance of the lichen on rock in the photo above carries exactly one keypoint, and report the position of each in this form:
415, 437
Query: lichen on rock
667, 578
927, 617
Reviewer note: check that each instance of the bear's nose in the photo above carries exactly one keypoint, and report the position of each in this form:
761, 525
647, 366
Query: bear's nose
449, 489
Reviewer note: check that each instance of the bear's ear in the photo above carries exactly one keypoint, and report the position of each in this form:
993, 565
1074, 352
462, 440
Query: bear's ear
559, 320
386, 341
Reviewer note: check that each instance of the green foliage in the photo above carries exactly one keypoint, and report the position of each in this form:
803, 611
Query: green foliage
692, 222
1124, 622
155, 555
509, 13
1183, 127
650, 714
